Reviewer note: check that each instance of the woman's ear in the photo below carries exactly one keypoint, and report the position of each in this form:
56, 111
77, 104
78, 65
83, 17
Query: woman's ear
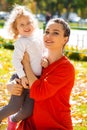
66, 39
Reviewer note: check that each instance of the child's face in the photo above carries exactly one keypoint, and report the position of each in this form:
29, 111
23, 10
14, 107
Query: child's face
25, 26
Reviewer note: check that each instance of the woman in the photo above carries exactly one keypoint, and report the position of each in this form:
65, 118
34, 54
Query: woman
51, 92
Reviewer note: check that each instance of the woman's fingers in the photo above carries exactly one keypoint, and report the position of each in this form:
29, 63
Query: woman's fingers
26, 58
17, 89
18, 80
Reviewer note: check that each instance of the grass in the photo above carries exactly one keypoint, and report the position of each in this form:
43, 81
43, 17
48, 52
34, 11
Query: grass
79, 94
78, 26
80, 128
5, 64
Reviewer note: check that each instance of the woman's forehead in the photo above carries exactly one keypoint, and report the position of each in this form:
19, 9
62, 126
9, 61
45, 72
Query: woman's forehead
53, 25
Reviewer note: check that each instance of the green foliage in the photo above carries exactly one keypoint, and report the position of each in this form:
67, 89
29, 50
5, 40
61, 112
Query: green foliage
3, 127
75, 53
80, 128
41, 6
1, 23
6, 43
72, 55
8, 46
60, 5
5, 64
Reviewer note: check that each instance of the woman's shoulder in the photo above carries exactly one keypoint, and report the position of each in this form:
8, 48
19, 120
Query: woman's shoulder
64, 64
68, 64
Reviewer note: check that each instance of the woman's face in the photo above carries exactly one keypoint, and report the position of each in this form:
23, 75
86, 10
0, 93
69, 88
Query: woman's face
54, 36
24, 26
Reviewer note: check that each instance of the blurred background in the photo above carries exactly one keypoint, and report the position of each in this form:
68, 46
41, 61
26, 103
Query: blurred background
75, 13
71, 10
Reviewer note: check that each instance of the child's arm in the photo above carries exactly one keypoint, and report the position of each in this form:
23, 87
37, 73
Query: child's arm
19, 49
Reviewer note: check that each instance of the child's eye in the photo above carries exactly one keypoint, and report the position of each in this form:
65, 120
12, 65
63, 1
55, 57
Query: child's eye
22, 25
30, 22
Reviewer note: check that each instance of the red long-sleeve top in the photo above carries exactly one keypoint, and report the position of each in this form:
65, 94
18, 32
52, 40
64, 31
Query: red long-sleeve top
51, 94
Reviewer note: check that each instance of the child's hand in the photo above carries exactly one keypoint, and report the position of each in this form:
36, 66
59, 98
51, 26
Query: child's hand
44, 62
24, 82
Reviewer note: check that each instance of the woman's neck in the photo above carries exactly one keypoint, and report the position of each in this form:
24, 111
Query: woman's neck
54, 56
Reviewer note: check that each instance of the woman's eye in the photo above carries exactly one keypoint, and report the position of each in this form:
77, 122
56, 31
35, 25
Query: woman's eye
56, 33
46, 32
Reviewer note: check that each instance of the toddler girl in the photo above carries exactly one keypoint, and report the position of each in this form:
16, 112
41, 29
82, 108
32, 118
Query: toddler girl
23, 27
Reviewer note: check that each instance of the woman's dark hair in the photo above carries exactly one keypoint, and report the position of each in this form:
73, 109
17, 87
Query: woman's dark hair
65, 25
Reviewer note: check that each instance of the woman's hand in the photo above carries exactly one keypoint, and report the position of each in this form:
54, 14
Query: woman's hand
26, 59
15, 88
24, 82
28, 70
44, 62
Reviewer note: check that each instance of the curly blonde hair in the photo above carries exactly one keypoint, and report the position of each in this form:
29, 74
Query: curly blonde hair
17, 12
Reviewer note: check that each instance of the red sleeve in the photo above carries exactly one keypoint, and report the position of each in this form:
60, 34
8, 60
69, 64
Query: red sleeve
52, 82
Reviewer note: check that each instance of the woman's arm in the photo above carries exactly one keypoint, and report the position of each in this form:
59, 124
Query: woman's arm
27, 68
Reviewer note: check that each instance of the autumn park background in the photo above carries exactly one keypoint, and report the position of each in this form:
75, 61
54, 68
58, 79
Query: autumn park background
78, 56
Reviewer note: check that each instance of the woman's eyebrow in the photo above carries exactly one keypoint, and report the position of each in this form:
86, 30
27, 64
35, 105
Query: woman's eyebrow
56, 30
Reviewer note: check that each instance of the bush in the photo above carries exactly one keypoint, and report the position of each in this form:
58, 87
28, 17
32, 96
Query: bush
1, 23
71, 52
75, 53
6, 43
8, 46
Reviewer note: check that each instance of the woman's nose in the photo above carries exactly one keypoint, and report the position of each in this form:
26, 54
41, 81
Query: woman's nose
49, 35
